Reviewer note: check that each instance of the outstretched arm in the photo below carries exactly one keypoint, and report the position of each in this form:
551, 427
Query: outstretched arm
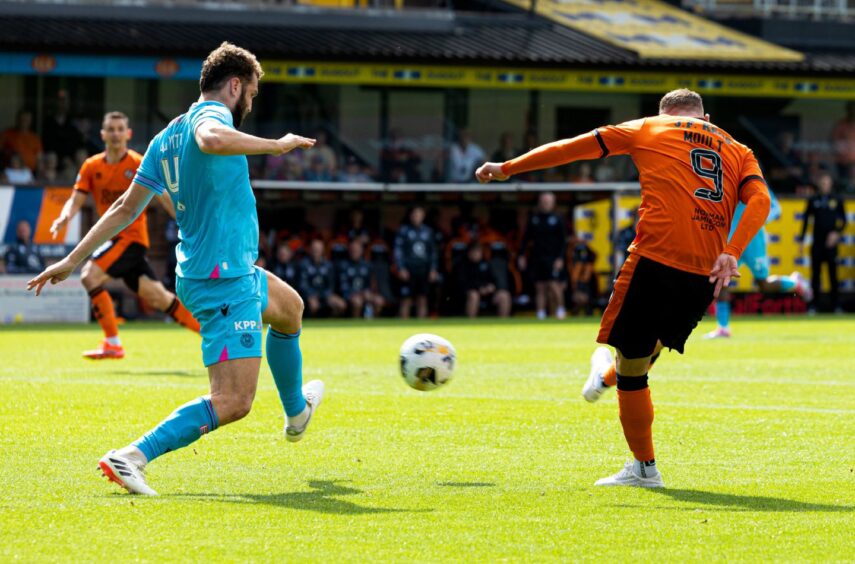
603, 141
123, 211
218, 139
69, 210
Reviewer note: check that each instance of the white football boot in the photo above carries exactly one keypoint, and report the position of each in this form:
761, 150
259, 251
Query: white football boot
719, 333
124, 472
594, 387
803, 287
314, 393
631, 476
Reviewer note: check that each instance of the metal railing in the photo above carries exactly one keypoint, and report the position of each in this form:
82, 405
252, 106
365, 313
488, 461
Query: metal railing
843, 10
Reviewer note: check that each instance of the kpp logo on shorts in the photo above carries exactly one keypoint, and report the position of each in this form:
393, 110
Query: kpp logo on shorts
247, 326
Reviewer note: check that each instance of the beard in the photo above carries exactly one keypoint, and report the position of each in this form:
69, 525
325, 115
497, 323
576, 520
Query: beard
239, 111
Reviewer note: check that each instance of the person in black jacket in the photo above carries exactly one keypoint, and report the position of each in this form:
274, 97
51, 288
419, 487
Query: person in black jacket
356, 283
317, 282
475, 278
829, 221
22, 257
546, 235
416, 259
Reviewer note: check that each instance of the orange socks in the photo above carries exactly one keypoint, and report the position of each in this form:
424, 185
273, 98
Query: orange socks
636, 417
102, 310
182, 315
610, 377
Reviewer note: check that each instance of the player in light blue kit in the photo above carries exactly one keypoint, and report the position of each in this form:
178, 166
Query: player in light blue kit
200, 160
758, 262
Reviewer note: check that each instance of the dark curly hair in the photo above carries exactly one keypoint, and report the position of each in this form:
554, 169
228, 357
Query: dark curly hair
225, 62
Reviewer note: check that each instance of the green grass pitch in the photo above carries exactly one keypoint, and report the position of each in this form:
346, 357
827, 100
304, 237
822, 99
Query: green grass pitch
755, 437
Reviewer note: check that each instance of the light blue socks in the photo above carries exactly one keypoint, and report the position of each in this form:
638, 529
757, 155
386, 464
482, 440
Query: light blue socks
286, 364
184, 426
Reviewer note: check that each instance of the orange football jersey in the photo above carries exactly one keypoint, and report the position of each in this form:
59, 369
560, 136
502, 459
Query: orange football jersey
106, 182
692, 175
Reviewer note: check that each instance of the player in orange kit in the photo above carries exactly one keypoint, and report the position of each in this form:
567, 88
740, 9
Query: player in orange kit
107, 176
692, 175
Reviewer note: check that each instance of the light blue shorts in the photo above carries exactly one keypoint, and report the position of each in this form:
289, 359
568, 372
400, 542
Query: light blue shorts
755, 256
229, 312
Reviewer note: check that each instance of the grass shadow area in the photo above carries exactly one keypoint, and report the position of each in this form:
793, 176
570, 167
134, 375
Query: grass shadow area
733, 502
322, 499
162, 372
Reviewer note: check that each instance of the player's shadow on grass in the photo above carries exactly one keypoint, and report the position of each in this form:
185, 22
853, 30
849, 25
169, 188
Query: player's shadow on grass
161, 372
749, 502
323, 499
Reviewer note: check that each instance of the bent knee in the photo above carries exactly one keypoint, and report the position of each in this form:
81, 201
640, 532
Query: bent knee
239, 406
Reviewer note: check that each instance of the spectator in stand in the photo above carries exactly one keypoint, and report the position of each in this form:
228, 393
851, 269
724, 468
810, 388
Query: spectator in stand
326, 153
59, 132
506, 150
353, 172
317, 282
48, 170
399, 162
476, 280
416, 259
829, 221
21, 140
583, 279
16, 172
318, 170
356, 283
787, 171
464, 158
357, 231
23, 257
584, 174
545, 242
843, 138
285, 267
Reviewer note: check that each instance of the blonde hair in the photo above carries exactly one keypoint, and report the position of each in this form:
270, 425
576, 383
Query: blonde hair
681, 99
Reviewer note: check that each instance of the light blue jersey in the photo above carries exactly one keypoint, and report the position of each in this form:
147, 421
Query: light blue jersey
754, 254
214, 203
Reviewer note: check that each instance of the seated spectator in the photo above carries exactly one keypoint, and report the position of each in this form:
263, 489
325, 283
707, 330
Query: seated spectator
353, 172
21, 140
787, 170
17, 172
317, 282
23, 257
326, 153
398, 161
506, 150
285, 267
318, 170
357, 230
464, 157
843, 137
356, 284
48, 171
475, 279
583, 279
584, 174
284, 167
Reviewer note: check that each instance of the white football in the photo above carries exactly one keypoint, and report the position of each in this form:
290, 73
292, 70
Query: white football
427, 361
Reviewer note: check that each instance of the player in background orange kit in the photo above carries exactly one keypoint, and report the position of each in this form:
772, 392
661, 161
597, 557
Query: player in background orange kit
107, 176
692, 174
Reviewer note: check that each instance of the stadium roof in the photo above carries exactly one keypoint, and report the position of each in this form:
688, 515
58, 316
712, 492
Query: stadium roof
367, 36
